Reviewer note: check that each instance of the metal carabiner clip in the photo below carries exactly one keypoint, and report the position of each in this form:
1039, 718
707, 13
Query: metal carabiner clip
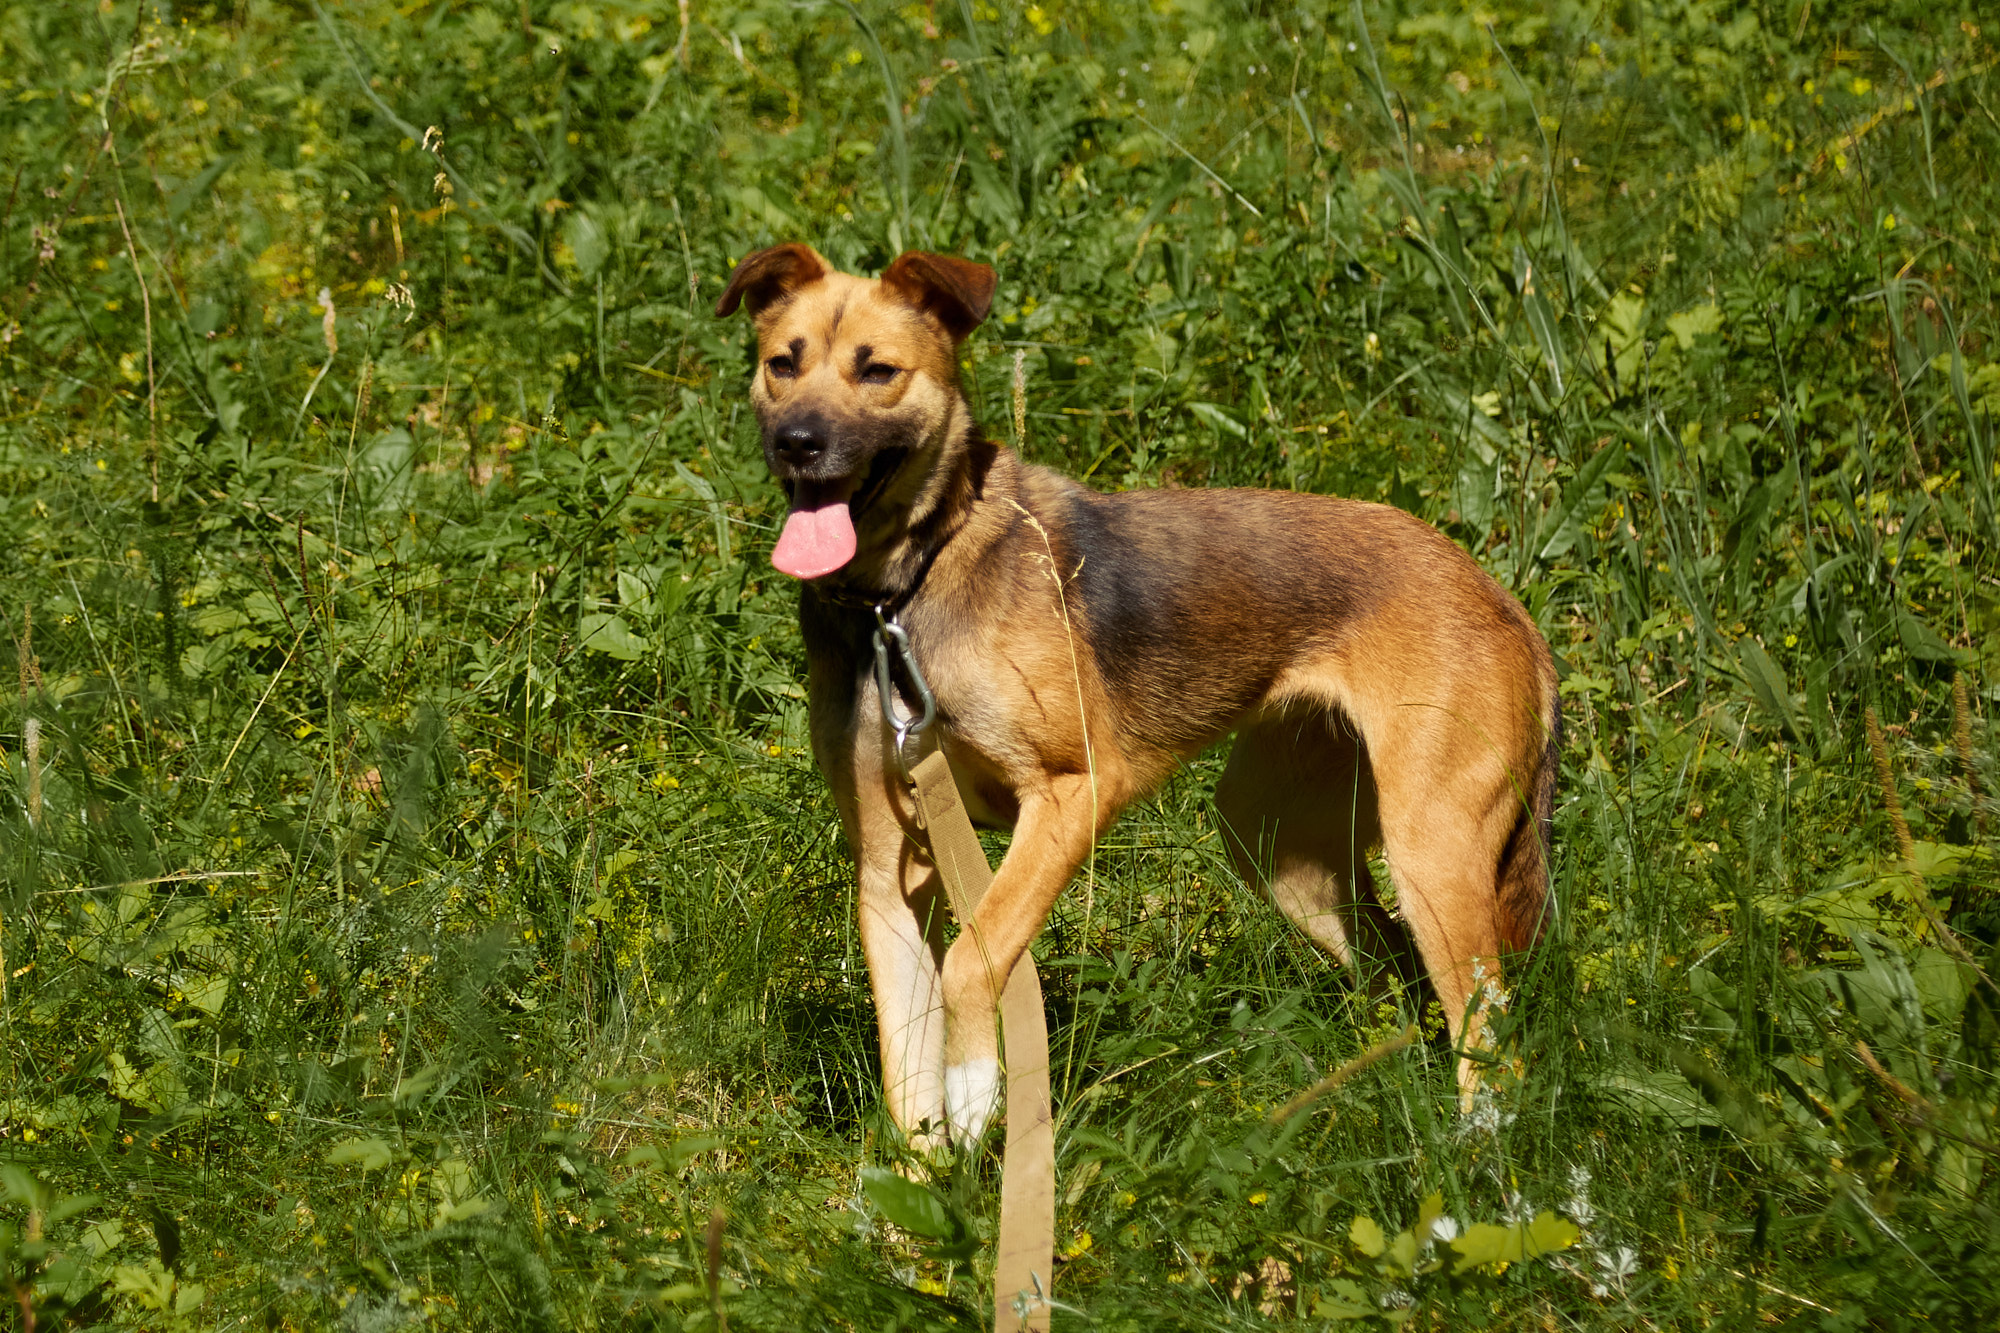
887, 628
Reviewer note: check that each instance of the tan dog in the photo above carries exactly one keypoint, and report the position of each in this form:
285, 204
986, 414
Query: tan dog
1381, 686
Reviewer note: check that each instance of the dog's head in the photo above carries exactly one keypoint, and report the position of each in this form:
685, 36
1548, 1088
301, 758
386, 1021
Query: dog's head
856, 390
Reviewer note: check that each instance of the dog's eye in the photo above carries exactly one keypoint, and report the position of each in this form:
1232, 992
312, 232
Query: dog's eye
879, 373
782, 366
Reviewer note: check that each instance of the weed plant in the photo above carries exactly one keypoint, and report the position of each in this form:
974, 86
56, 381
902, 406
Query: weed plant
419, 905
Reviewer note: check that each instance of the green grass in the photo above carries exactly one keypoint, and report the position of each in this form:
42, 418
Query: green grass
419, 905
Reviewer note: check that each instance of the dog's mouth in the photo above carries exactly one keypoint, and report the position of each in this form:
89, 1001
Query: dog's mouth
880, 473
819, 532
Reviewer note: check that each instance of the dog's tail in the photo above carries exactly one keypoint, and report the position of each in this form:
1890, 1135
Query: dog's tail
1524, 906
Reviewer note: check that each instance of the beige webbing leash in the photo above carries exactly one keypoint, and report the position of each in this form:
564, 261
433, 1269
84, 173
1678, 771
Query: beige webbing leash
1025, 1253
1024, 1257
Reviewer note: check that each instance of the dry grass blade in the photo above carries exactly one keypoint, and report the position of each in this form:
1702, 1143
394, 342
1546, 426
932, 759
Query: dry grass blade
717, 1220
1961, 735
1379, 1051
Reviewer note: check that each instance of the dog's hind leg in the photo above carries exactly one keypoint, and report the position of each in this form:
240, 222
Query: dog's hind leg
1444, 824
1298, 807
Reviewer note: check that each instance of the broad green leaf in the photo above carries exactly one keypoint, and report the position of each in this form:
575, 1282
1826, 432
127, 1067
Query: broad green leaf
1922, 642
415, 1086
23, 1187
587, 242
1624, 327
208, 994
682, 1149
460, 1210
1485, 1244
101, 1238
911, 1206
1768, 683
606, 632
1402, 1253
1548, 1233
1482, 1244
1562, 524
127, 1082
1658, 1094
1343, 1300
150, 1284
1367, 1236
1941, 981
634, 594
370, 1154
69, 1206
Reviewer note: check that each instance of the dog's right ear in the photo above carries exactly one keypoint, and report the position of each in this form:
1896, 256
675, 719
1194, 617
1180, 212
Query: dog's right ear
768, 275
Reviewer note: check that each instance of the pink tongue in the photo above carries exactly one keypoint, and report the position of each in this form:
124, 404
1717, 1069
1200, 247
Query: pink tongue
815, 542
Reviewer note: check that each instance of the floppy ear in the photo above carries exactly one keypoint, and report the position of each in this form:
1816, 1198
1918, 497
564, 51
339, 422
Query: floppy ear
770, 274
958, 291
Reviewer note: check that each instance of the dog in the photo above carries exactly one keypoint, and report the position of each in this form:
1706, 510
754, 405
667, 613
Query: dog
1382, 688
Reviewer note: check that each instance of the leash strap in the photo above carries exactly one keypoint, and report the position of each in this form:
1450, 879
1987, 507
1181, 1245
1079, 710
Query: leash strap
1023, 1269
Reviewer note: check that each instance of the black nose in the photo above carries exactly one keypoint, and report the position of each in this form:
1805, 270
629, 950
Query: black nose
800, 446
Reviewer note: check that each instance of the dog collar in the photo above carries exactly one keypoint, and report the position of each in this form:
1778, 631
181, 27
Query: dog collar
880, 601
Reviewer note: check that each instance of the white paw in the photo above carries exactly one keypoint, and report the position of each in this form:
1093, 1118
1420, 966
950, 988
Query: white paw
971, 1096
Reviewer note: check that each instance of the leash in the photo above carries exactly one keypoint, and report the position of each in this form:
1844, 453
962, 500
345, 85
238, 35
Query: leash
1025, 1252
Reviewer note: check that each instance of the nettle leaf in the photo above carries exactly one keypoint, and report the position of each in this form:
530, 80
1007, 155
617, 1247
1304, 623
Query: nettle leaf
1692, 323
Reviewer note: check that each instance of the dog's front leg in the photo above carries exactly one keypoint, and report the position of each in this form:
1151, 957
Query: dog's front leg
1051, 838
900, 900
902, 912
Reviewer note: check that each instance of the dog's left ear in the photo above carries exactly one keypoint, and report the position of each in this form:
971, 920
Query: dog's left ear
958, 291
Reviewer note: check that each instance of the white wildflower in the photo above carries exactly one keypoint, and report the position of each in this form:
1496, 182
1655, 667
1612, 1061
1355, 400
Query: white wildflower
1615, 1267
1579, 1207
1485, 1116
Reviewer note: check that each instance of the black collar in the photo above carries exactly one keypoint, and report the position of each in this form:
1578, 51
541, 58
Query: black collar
890, 603
870, 599
933, 535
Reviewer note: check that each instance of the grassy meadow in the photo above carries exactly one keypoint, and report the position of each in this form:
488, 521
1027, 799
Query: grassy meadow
420, 908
